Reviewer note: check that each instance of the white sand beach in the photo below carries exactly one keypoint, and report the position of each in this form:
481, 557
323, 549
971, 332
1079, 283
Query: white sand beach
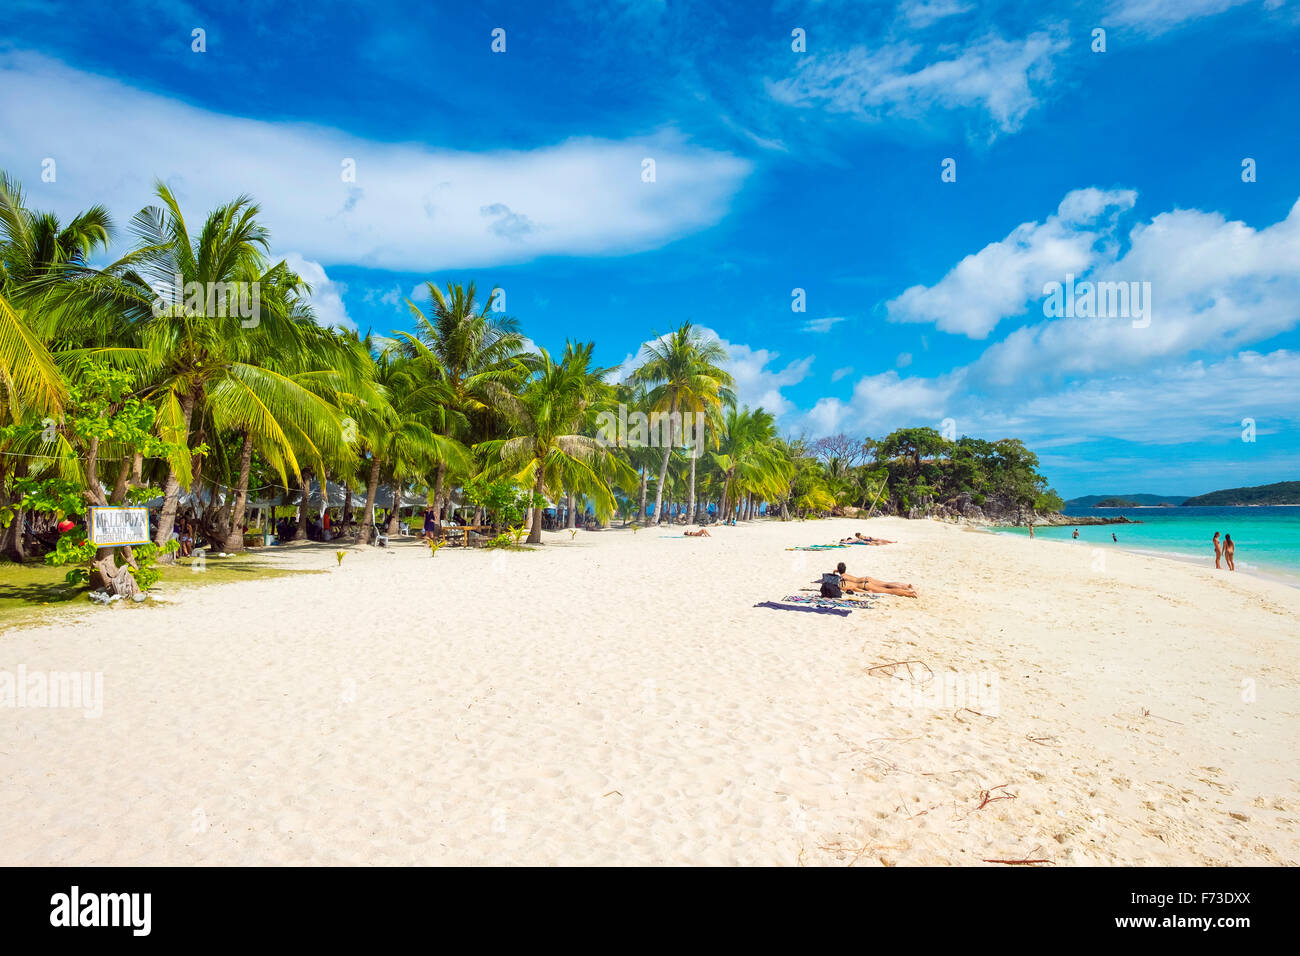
617, 699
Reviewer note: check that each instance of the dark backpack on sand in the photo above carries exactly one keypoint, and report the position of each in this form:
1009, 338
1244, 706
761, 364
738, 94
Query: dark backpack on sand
831, 586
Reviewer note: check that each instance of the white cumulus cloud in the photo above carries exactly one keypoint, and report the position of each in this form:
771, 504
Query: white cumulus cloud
413, 206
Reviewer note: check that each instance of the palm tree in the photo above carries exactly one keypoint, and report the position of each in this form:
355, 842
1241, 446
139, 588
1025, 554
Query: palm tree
35, 251
393, 432
202, 360
548, 451
683, 374
474, 355
750, 457
309, 374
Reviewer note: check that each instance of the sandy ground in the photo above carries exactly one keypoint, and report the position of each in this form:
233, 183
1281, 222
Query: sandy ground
618, 699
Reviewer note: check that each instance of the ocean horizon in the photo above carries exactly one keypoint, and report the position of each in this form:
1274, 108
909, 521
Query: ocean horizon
1267, 537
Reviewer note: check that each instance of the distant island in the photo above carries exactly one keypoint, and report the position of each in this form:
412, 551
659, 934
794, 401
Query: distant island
1278, 493
1124, 501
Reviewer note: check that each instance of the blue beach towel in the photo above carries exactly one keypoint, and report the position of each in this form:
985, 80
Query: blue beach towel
819, 601
803, 607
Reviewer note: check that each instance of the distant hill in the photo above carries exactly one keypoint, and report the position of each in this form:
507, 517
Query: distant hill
1130, 501
1278, 493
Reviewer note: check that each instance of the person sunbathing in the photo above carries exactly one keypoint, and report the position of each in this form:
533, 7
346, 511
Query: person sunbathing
702, 533
852, 582
860, 538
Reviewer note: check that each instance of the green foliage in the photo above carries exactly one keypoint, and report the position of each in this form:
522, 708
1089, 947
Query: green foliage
504, 501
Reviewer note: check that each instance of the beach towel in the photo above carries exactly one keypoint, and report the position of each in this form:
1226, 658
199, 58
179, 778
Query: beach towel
802, 607
819, 547
819, 601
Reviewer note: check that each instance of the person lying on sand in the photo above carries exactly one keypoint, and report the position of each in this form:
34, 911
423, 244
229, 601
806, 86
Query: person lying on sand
702, 533
851, 582
860, 538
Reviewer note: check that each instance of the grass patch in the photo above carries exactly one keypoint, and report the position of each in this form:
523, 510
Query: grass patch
34, 592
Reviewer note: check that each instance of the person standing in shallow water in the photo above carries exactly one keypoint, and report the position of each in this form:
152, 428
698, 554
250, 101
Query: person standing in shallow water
1075, 536
1229, 551
1218, 551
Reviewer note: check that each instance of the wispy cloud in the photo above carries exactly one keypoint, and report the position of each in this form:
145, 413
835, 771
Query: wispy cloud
823, 325
999, 78
922, 13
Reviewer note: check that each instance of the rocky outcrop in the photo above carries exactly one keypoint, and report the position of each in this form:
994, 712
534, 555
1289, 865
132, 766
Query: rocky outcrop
963, 508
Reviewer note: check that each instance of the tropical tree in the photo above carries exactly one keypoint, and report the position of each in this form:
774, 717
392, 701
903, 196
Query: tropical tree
548, 450
683, 374
197, 343
36, 251
473, 355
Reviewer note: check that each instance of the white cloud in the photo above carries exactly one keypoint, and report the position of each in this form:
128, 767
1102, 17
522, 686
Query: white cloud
1216, 285
413, 207
839, 373
391, 297
1004, 276
1157, 16
922, 13
326, 295
883, 402
1196, 401
996, 76
823, 325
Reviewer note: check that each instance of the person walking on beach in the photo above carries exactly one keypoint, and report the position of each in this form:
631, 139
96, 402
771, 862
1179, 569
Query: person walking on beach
1218, 550
1229, 549
430, 524
1031, 529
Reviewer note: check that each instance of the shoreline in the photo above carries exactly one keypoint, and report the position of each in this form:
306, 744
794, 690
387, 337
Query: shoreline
1268, 572
619, 704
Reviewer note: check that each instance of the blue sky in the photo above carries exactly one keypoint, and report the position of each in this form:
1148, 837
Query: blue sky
775, 170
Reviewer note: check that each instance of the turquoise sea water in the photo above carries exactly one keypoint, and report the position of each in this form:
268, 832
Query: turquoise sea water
1267, 539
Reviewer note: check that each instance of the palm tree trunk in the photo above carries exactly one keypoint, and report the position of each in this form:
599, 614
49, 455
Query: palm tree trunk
570, 516
235, 533
347, 505
303, 489
372, 488
395, 512
640, 515
437, 489
172, 487
659, 489
13, 535
690, 495
535, 533
663, 466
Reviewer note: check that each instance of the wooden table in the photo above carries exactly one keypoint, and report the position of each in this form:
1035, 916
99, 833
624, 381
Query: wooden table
460, 532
